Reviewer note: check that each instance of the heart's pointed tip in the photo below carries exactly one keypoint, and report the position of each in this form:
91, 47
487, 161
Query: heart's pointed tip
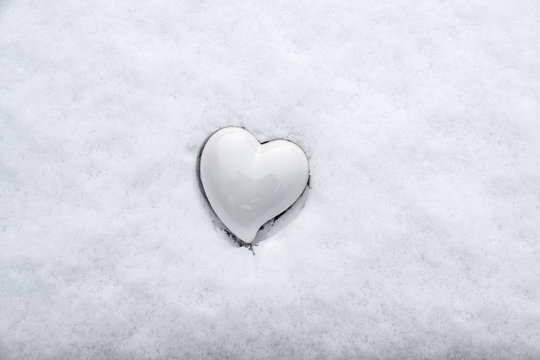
247, 239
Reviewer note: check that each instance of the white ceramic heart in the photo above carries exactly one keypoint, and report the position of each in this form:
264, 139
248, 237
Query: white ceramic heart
248, 183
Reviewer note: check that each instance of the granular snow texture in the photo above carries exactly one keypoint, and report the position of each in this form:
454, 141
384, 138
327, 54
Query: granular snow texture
420, 235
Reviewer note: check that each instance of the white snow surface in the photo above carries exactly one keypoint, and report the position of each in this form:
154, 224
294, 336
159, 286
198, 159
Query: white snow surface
420, 235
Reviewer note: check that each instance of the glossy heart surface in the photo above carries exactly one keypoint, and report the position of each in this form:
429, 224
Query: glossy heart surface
248, 183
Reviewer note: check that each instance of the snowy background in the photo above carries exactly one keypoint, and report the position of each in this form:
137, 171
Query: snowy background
420, 236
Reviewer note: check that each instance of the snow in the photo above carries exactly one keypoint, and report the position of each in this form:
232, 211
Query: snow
419, 237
